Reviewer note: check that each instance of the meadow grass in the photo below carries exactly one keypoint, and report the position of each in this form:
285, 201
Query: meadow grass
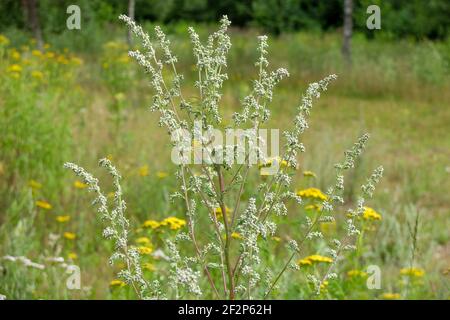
96, 106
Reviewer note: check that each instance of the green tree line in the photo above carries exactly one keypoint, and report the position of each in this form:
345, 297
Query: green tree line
400, 18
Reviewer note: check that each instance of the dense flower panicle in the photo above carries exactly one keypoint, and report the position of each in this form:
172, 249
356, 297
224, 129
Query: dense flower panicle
43, 204
315, 258
312, 193
173, 223
412, 272
371, 214
153, 224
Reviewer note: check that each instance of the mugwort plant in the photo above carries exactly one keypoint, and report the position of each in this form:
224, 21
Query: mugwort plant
237, 212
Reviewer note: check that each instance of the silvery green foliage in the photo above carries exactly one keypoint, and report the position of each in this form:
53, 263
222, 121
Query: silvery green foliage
211, 185
117, 228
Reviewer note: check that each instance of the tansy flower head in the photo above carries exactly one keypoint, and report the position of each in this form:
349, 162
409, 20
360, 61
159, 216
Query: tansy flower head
161, 174
145, 249
315, 258
236, 235
412, 272
33, 184
117, 283
4, 41
151, 224
148, 266
143, 171
309, 174
72, 256
62, 219
69, 235
390, 296
219, 213
174, 223
312, 193
80, 185
370, 214
37, 74
43, 204
143, 240
15, 68
356, 273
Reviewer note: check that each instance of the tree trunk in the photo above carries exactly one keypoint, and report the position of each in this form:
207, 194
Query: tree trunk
348, 28
131, 6
31, 14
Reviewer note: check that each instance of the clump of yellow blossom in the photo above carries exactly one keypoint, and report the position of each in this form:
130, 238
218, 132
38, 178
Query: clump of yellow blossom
69, 235
117, 283
370, 214
33, 184
356, 274
143, 171
276, 239
62, 219
236, 235
72, 256
151, 224
312, 193
142, 240
308, 173
390, 296
4, 41
43, 204
219, 213
315, 258
161, 174
80, 185
412, 272
148, 266
314, 206
37, 74
174, 223
36, 53
145, 249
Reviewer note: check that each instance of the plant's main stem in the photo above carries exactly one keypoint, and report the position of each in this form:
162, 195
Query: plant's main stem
227, 234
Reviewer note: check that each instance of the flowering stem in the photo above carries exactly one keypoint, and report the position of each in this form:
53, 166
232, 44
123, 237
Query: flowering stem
227, 234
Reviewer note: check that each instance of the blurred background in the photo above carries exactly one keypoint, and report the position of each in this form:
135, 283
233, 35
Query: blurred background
75, 95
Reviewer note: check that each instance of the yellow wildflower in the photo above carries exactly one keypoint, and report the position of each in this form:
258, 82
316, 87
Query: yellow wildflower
50, 55
117, 283
15, 68
80, 185
314, 206
36, 53
69, 235
236, 235
174, 223
62, 219
143, 240
412, 272
72, 256
356, 273
151, 224
43, 204
276, 239
148, 266
145, 249
33, 184
120, 96
37, 74
4, 40
390, 296
313, 193
15, 55
46, 46
370, 214
161, 174
143, 171
76, 61
315, 258
309, 174
218, 211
